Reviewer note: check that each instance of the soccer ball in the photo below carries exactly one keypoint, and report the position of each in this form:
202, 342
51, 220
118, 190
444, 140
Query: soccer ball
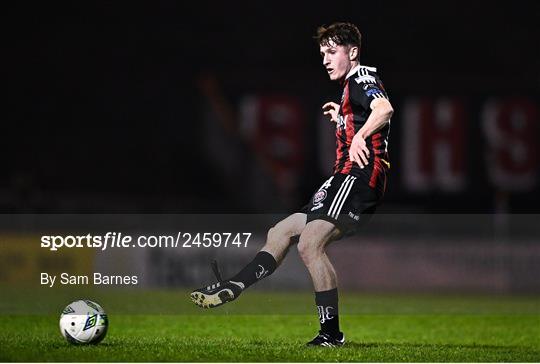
84, 322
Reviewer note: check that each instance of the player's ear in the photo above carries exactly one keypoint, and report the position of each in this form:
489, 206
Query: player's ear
353, 53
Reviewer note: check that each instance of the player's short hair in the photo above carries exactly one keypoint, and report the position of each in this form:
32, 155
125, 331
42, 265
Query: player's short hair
346, 34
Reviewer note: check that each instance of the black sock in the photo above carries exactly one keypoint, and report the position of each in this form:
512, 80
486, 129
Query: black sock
260, 267
327, 307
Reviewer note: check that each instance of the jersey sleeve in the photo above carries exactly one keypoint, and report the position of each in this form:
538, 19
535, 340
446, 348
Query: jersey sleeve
366, 88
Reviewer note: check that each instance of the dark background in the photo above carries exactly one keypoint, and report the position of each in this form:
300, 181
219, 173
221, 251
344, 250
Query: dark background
106, 109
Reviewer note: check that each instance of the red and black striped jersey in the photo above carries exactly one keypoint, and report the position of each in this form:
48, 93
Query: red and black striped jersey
361, 86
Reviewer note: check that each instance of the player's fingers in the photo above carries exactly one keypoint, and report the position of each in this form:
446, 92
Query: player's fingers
359, 156
355, 158
364, 158
327, 105
330, 105
365, 150
360, 161
330, 116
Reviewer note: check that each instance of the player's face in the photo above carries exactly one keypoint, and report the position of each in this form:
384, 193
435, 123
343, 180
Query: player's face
336, 60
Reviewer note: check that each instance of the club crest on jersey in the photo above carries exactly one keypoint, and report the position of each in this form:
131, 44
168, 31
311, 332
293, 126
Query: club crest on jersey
319, 197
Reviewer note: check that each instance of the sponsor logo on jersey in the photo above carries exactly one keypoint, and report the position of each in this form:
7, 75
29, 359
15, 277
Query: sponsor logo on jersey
373, 90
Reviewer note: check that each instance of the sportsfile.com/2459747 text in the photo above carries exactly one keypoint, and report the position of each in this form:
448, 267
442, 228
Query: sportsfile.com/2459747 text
120, 240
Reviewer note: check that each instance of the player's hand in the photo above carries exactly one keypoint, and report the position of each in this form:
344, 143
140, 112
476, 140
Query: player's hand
359, 152
331, 110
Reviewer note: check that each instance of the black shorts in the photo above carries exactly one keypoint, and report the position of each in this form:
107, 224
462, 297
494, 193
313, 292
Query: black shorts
344, 200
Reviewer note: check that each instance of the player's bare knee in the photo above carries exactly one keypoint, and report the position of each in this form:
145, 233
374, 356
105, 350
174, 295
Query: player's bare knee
276, 239
282, 232
274, 235
309, 251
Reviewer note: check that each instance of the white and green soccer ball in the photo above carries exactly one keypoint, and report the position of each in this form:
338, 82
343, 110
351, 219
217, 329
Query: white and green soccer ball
84, 322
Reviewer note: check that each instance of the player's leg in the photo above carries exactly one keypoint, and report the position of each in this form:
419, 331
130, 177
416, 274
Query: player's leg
278, 240
265, 263
279, 237
313, 240
311, 247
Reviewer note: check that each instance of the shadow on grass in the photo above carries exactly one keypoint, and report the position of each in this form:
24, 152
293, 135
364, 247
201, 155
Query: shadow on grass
438, 346
64, 345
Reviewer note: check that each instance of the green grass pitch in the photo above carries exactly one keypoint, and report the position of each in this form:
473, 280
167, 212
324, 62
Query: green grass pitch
262, 326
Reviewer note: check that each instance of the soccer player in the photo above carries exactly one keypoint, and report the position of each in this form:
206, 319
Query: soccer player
344, 201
